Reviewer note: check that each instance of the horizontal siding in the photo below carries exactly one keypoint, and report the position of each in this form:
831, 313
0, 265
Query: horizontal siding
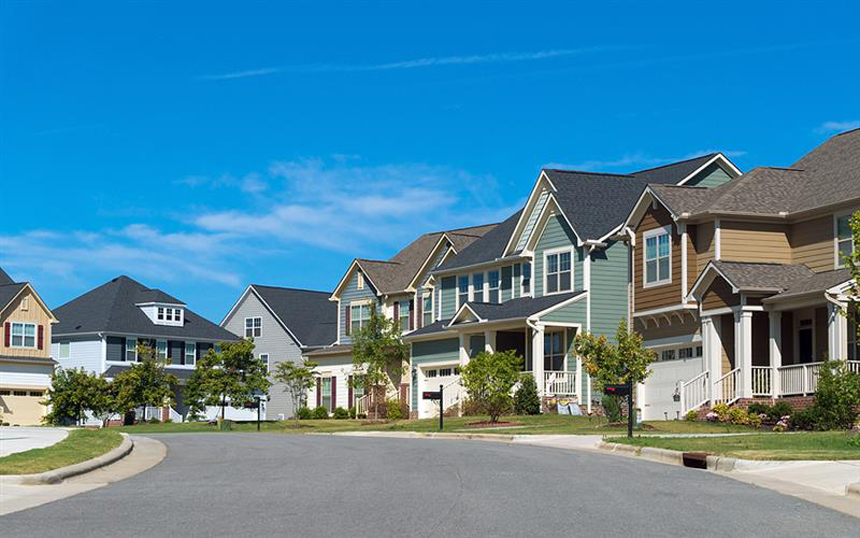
556, 234
812, 243
609, 269
719, 295
86, 354
712, 176
754, 242
667, 294
448, 297
705, 245
572, 313
447, 350
26, 375
352, 293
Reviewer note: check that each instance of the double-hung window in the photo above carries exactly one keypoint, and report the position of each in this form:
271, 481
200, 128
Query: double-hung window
553, 351
65, 350
161, 349
253, 327
559, 273
325, 397
359, 315
478, 287
264, 358
844, 239
527, 278
24, 335
493, 281
427, 309
131, 349
404, 315
190, 353
658, 257
462, 290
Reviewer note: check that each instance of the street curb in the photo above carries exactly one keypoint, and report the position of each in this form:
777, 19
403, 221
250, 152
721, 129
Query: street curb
672, 457
58, 475
428, 435
853, 491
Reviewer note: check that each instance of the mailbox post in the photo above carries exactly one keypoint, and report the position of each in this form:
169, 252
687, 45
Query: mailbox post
435, 395
623, 389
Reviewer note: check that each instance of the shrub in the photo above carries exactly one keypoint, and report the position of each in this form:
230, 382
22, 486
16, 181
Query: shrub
488, 379
225, 425
526, 400
807, 419
320, 412
754, 420
837, 397
470, 408
691, 416
393, 410
722, 411
304, 413
779, 410
351, 412
341, 413
611, 407
736, 415
153, 421
759, 408
854, 441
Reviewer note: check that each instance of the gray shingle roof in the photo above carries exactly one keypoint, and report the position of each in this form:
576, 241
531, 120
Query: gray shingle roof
9, 291
435, 327
5, 278
308, 314
338, 349
487, 248
828, 175
819, 282
110, 308
763, 276
674, 172
183, 374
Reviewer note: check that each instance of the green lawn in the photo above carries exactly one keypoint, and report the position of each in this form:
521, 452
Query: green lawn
80, 445
534, 424
766, 446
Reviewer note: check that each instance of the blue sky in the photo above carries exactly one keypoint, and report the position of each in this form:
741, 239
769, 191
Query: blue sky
204, 146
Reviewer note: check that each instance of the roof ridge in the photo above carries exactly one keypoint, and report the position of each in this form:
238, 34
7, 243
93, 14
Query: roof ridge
849, 131
786, 168
377, 261
289, 288
592, 173
673, 186
678, 162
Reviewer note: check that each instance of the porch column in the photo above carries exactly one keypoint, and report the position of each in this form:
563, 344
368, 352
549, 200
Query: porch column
743, 351
579, 381
464, 349
490, 341
713, 356
537, 358
837, 334
775, 348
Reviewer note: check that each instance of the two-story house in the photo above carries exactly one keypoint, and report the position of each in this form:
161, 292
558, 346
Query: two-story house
284, 323
531, 284
738, 288
399, 289
99, 332
25, 356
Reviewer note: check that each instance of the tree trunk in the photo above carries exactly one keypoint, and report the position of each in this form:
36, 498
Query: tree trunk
223, 406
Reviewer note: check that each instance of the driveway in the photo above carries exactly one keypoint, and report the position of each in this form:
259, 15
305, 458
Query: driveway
268, 484
18, 439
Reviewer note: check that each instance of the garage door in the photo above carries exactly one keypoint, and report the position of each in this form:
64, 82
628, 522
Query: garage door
446, 375
22, 406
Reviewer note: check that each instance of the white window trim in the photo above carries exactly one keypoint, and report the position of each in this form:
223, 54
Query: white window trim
253, 328
68, 345
193, 353
498, 287
837, 259
523, 292
265, 357
552, 252
125, 351
563, 331
424, 312
157, 349
457, 291
23, 345
656, 232
472, 285
359, 302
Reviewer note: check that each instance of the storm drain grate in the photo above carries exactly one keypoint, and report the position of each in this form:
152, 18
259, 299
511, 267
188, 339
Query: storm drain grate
696, 460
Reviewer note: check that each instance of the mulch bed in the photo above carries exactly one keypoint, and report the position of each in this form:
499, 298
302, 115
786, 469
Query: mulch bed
491, 424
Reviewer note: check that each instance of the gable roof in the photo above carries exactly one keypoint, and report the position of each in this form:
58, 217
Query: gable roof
489, 247
308, 315
5, 278
818, 282
761, 276
9, 291
675, 173
112, 308
521, 307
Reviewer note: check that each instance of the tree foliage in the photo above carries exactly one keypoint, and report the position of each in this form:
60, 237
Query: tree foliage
228, 376
625, 361
145, 383
526, 400
837, 396
379, 354
852, 262
73, 392
488, 379
297, 380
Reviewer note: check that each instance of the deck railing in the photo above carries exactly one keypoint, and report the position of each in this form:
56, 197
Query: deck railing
762, 381
361, 405
696, 392
559, 383
726, 388
798, 379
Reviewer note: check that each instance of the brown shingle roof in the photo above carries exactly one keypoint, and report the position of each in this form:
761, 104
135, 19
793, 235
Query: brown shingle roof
763, 276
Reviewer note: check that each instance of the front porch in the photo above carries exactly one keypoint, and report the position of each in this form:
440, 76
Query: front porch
768, 351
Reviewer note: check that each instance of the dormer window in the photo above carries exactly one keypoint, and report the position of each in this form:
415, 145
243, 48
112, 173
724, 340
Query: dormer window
161, 314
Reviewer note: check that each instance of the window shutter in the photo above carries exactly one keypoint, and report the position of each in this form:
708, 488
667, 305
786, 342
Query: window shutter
8, 334
333, 393
122, 352
397, 312
319, 391
41, 336
419, 319
348, 324
349, 393
411, 314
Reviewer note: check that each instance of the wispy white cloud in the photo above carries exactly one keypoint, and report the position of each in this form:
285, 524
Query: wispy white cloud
837, 126
438, 61
633, 161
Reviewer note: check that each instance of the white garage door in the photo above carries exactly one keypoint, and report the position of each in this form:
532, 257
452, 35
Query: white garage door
433, 376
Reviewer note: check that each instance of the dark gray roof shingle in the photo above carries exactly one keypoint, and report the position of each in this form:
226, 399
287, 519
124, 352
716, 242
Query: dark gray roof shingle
337, 349
309, 315
763, 276
183, 374
5, 278
675, 172
110, 308
9, 291
819, 282
521, 307
488, 248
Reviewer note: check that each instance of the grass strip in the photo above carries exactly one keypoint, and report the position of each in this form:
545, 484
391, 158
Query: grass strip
80, 445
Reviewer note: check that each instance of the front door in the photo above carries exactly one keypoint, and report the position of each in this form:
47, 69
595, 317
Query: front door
805, 341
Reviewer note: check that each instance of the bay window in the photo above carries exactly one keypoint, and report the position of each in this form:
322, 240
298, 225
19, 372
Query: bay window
658, 257
559, 272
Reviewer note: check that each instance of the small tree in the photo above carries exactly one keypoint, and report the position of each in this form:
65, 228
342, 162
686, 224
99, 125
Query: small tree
526, 400
103, 403
627, 361
145, 383
378, 353
489, 378
297, 380
72, 393
837, 396
233, 374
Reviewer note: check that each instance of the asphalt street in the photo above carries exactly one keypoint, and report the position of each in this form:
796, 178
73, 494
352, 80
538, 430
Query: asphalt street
269, 484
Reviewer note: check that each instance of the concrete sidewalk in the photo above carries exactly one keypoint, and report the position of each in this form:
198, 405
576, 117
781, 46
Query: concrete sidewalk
20, 439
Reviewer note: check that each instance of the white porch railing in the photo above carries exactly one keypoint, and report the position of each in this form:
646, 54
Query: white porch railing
559, 383
726, 388
798, 379
762, 384
854, 366
361, 405
452, 395
696, 392
174, 416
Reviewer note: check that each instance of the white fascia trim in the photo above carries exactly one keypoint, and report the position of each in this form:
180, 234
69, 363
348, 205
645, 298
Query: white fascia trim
481, 265
690, 338
542, 222
355, 263
463, 307
430, 257
28, 286
235, 306
284, 325
518, 229
555, 307
706, 278
663, 310
715, 158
